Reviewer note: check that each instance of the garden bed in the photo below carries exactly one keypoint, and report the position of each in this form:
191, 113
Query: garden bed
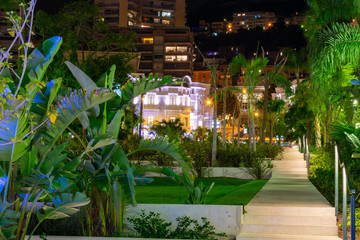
226, 191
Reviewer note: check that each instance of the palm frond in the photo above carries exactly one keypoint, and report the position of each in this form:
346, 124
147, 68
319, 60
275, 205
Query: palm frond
170, 148
68, 109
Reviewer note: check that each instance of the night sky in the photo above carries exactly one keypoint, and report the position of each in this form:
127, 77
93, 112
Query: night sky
212, 10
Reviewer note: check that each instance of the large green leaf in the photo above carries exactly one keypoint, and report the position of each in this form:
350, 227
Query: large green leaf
39, 62
43, 100
84, 80
63, 206
133, 89
68, 109
12, 132
113, 128
170, 148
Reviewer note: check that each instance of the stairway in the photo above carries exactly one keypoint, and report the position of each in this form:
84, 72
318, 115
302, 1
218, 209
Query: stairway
289, 206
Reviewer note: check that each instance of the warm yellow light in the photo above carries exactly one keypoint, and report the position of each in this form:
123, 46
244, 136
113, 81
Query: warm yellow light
244, 90
270, 24
353, 20
147, 40
256, 114
208, 102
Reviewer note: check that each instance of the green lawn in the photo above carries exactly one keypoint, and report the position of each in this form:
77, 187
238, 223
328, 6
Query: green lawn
227, 191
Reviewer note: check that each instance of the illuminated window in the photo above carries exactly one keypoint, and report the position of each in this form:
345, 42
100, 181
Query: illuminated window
166, 22
172, 119
172, 100
186, 120
170, 58
181, 49
147, 40
166, 14
170, 49
182, 58
130, 23
150, 120
151, 99
156, 20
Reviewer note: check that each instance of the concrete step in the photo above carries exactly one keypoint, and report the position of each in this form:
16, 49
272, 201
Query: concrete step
289, 211
322, 230
289, 164
289, 220
250, 236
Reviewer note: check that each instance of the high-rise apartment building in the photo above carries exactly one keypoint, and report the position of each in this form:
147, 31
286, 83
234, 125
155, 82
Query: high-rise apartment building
248, 20
143, 13
165, 44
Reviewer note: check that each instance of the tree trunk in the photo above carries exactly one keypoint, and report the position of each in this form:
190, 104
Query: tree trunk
308, 131
263, 128
317, 131
233, 126
271, 131
239, 123
214, 140
224, 120
249, 124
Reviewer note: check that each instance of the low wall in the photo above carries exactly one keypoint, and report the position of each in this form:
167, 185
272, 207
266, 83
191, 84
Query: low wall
229, 172
225, 218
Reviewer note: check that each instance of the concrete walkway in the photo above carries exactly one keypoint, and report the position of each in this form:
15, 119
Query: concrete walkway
289, 206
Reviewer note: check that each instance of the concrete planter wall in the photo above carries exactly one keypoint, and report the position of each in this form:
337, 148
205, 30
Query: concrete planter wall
229, 172
89, 238
225, 218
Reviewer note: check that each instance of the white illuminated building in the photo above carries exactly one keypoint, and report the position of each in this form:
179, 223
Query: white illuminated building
185, 101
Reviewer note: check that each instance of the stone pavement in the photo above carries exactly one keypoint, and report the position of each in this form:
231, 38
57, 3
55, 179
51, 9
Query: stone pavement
289, 206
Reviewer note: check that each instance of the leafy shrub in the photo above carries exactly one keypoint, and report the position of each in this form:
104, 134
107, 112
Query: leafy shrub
269, 150
322, 173
231, 155
259, 168
153, 226
199, 152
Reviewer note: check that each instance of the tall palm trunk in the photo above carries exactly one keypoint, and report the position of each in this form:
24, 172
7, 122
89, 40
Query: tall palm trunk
271, 122
253, 125
214, 140
239, 123
224, 120
249, 125
317, 131
233, 125
266, 96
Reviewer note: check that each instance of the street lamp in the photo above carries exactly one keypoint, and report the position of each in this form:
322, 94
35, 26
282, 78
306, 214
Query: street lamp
208, 102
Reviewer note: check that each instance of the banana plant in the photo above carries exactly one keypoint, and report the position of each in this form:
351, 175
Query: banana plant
108, 179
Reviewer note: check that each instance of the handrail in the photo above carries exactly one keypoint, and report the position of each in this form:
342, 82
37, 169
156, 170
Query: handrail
346, 186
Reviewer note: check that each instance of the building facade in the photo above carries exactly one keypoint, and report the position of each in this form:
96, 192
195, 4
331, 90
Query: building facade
143, 13
165, 51
186, 102
248, 20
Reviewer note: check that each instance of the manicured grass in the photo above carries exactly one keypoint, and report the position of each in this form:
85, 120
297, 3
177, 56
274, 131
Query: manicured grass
227, 191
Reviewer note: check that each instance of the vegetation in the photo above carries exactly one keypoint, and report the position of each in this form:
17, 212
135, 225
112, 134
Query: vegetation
153, 226
226, 191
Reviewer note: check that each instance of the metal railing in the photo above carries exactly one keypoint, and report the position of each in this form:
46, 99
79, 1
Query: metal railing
347, 186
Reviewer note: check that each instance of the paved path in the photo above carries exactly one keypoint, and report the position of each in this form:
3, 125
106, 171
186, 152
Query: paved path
289, 206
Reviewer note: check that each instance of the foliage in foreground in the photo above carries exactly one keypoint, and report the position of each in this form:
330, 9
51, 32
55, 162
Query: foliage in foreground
153, 226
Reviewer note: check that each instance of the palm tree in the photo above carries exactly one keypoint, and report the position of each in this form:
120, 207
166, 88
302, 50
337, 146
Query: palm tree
276, 106
334, 43
277, 78
253, 69
295, 61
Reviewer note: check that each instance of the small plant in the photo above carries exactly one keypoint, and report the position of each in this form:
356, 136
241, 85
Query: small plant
153, 226
259, 168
